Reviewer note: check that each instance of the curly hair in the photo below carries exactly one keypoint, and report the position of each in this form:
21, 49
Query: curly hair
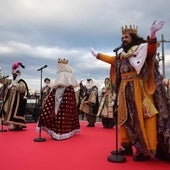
136, 40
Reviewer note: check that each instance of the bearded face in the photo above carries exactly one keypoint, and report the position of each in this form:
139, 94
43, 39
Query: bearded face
126, 42
127, 46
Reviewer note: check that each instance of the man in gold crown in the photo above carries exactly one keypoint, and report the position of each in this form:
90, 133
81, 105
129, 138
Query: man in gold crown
59, 114
132, 74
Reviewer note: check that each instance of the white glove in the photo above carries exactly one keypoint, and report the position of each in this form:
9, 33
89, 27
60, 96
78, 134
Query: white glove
10, 86
13, 84
156, 26
93, 52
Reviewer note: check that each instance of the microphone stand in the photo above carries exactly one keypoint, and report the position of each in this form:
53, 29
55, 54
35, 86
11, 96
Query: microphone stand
3, 95
117, 158
40, 139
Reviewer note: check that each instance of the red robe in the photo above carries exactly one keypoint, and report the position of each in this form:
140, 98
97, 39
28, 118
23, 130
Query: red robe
65, 123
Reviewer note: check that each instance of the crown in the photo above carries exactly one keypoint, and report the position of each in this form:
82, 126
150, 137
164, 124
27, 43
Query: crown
132, 29
62, 61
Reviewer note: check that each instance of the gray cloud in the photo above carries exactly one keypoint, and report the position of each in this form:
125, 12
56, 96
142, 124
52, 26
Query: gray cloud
38, 32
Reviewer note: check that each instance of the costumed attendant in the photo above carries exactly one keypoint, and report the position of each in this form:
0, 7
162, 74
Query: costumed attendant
15, 100
162, 102
135, 79
1, 86
166, 83
106, 104
4, 82
90, 102
59, 114
1, 74
46, 89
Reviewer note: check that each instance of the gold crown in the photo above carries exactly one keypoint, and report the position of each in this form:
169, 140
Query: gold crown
131, 30
63, 61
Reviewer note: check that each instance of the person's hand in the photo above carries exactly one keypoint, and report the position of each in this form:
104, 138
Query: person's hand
14, 83
93, 52
156, 26
10, 86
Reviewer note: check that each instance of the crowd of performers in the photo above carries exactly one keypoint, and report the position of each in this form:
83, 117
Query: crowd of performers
14, 95
93, 104
141, 95
58, 112
62, 104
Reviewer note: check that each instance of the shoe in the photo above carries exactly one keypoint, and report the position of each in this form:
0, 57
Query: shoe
110, 127
90, 125
123, 151
141, 157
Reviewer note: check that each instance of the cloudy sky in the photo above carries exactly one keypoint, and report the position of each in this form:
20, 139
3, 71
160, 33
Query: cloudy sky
38, 32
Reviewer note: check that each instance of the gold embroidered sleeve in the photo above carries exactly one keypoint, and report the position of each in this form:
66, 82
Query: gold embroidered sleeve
21, 87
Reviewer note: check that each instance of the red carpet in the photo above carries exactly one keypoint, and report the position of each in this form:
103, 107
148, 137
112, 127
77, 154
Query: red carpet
86, 151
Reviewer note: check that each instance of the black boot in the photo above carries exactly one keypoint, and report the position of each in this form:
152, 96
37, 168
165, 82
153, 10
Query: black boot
111, 122
124, 150
104, 122
91, 125
139, 157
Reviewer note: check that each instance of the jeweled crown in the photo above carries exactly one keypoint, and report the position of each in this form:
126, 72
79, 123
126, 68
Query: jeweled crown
132, 29
63, 61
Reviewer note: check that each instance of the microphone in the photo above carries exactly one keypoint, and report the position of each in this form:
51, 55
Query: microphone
5, 77
42, 67
118, 48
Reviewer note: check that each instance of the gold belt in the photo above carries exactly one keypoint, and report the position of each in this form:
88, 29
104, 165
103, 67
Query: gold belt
129, 76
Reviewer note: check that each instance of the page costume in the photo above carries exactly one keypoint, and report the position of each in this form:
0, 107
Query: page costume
15, 100
90, 102
105, 110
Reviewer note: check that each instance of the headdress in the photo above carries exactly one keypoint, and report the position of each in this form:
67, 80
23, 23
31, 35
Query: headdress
132, 29
89, 79
16, 67
64, 76
63, 66
46, 79
63, 61
89, 83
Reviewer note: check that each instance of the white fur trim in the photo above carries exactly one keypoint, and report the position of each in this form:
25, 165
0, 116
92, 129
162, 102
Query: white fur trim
58, 136
138, 59
65, 79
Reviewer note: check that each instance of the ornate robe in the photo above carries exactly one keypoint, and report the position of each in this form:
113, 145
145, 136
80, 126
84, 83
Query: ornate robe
134, 89
14, 105
65, 122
